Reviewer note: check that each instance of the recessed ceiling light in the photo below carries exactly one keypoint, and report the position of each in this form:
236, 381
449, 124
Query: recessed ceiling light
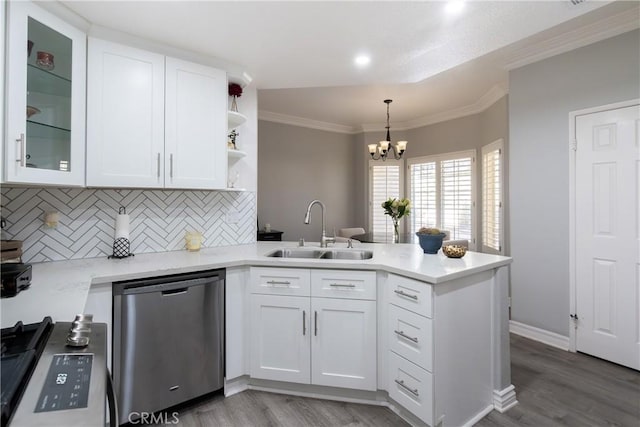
454, 7
362, 60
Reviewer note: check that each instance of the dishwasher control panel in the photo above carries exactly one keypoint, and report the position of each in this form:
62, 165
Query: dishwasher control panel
67, 383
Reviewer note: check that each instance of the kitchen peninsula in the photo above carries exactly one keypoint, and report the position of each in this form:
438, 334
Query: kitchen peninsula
435, 342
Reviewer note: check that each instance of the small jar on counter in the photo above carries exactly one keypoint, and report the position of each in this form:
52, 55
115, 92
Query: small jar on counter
193, 240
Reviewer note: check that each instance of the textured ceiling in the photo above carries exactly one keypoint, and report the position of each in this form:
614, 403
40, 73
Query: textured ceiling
300, 54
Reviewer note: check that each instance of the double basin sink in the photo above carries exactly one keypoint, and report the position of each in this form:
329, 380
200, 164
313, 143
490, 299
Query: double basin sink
356, 254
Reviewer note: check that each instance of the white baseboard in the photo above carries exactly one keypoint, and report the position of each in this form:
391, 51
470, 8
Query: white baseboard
541, 335
236, 385
505, 399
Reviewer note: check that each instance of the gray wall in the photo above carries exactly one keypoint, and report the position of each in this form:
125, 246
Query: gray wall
541, 95
297, 165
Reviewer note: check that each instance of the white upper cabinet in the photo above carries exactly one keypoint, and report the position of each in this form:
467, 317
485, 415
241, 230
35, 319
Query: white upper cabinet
154, 121
125, 116
195, 126
45, 98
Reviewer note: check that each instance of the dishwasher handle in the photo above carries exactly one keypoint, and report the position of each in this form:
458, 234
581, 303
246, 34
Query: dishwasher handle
174, 287
172, 292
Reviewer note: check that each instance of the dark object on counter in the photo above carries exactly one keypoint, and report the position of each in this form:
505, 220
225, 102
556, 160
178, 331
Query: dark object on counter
21, 347
121, 248
10, 250
431, 243
15, 277
270, 236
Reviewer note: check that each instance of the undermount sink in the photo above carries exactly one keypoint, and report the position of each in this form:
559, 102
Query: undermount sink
321, 254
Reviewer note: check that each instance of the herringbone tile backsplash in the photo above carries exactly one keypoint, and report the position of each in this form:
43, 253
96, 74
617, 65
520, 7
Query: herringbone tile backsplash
158, 220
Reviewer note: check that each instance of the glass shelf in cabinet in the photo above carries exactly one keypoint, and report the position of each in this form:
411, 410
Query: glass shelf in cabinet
45, 125
43, 131
43, 81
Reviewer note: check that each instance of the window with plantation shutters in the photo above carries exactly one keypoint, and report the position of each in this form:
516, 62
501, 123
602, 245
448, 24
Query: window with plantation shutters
423, 195
442, 194
385, 182
492, 217
456, 198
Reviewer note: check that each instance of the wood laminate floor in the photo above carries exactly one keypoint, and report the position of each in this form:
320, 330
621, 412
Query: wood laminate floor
554, 388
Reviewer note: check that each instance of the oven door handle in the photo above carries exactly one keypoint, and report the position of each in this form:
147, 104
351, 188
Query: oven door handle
113, 402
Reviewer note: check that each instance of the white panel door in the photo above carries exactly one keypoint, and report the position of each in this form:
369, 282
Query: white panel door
280, 333
196, 126
607, 235
125, 116
343, 346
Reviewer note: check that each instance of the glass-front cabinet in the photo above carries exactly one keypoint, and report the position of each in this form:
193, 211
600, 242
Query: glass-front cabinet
46, 74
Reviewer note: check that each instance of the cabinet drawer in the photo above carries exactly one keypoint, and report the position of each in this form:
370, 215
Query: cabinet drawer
343, 284
411, 386
410, 294
411, 336
280, 281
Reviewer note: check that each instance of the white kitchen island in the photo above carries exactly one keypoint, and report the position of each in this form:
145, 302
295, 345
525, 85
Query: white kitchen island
440, 353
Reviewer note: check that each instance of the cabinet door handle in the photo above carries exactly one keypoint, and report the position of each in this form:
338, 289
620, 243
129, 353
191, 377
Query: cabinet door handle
315, 323
403, 335
171, 165
20, 141
340, 285
158, 165
304, 322
278, 282
399, 292
410, 390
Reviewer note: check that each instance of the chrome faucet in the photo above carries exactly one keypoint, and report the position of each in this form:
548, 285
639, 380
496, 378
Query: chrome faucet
323, 239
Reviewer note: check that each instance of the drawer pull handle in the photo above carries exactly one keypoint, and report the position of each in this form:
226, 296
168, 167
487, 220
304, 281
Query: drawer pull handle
341, 285
276, 282
404, 386
304, 322
315, 323
415, 297
403, 335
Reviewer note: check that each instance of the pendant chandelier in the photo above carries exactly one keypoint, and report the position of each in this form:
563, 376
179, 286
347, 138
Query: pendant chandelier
382, 149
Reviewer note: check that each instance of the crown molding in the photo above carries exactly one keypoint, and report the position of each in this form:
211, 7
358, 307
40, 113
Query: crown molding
583, 36
286, 119
485, 101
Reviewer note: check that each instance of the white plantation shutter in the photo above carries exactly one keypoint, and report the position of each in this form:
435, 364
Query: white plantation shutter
456, 198
442, 193
423, 195
384, 183
492, 197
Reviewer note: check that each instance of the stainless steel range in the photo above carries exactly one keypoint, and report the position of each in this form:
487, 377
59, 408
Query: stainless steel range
54, 377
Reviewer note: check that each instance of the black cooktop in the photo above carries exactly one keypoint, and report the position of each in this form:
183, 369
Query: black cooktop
21, 348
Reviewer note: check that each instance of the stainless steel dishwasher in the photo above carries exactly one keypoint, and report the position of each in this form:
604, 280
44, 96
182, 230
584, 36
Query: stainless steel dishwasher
168, 341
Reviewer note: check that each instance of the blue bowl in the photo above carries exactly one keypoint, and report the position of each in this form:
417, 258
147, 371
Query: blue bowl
431, 243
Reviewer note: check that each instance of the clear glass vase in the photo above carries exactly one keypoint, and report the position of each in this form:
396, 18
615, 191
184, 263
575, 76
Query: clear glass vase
396, 233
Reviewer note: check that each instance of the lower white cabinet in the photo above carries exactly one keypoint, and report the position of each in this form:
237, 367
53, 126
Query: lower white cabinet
343, 345
280, 338
410, 336
311, 340
411, 386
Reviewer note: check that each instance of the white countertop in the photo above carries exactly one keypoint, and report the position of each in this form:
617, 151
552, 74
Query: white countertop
59, 289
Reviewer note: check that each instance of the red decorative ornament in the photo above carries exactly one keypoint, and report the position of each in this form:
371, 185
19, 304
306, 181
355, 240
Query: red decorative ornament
235, 89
